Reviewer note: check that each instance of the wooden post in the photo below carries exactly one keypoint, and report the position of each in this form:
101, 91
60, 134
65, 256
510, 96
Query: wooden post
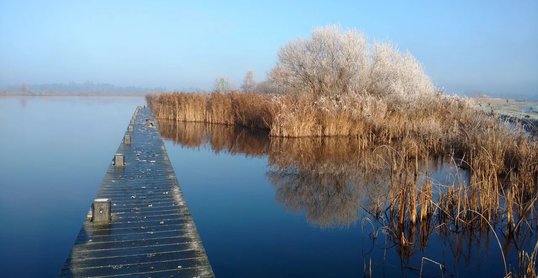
130, 128
101, 211
119, 160
127, 139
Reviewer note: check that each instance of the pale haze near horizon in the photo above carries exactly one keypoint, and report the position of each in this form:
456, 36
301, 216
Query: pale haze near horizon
465, 47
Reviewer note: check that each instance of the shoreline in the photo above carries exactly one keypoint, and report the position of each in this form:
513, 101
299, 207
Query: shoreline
75, 95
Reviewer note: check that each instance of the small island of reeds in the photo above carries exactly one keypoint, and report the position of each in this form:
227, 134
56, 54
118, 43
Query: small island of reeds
336, 84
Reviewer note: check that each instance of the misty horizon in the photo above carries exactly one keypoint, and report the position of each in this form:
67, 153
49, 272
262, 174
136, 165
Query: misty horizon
489, 49
104, 88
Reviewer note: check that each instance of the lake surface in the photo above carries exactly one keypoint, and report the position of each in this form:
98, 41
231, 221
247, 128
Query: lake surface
54, 152
270, 207
263, 207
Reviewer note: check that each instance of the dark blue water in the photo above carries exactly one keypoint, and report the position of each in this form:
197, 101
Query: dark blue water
270, 208
54, 152
263, 207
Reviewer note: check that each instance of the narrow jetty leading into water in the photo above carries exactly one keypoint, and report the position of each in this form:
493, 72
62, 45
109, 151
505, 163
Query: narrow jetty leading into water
139, 224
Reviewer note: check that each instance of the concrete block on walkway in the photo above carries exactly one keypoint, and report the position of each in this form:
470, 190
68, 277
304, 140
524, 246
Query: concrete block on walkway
119, 160
101, 211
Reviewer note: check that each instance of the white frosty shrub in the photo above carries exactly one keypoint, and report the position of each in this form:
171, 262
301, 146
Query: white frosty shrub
336, 64
397, 76
332, 62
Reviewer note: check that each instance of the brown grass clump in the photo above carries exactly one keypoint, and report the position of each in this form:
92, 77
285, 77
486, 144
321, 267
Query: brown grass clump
252, 110
337, 142
501, 157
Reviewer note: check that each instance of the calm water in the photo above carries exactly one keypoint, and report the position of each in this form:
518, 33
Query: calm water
54, 152
263, 207
298, 208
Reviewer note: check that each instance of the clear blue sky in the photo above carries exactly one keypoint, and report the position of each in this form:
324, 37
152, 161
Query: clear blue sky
489, 46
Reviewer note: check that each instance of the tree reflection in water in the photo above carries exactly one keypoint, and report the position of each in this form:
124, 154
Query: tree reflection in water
330, 179
336, 182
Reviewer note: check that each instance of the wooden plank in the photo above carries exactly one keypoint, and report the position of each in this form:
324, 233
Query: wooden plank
152, 232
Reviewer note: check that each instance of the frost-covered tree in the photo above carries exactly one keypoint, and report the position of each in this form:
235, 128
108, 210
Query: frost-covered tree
396, 75
332, 62
335, 63
248, 83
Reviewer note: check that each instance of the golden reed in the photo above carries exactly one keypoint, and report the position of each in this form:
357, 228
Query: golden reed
501, 157
326, 176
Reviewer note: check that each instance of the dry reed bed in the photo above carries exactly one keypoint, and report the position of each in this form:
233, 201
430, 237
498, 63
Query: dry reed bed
501, 157
502, 162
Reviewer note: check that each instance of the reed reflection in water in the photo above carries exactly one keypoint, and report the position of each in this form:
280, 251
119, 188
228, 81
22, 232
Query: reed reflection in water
330, 179
336, 182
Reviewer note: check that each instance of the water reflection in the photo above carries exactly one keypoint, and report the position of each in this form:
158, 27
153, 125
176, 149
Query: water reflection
331, 180
219, 137
336, 182
53, 154
410, 206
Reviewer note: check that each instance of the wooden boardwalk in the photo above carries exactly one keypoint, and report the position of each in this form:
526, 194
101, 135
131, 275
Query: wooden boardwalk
152, 233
